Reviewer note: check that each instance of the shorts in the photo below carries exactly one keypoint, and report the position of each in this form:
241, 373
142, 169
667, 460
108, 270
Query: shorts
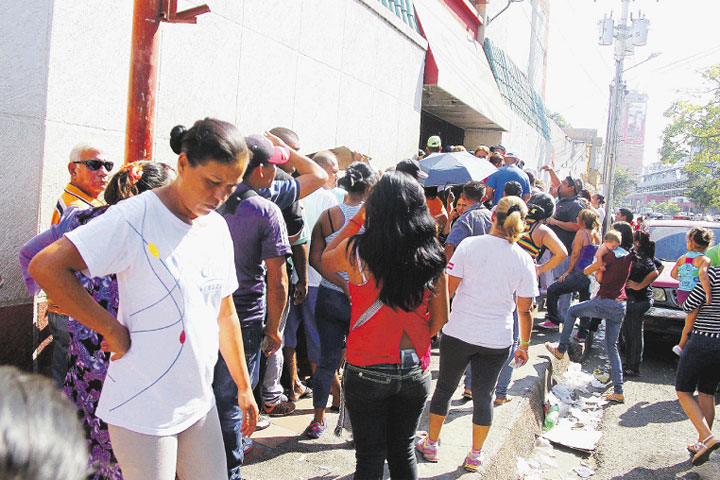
682, 295
304, 314
699, 366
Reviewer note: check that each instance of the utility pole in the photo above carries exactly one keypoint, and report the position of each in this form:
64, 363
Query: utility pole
626, 36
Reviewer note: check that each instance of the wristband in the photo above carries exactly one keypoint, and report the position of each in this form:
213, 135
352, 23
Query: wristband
522, 349
523, 342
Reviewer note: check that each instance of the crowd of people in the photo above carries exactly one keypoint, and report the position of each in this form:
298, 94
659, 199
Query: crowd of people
181, 297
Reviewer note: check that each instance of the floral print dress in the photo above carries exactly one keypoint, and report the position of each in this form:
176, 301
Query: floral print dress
89, 365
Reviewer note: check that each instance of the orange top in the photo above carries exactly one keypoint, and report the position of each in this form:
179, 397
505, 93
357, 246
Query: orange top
72, 195
435, 206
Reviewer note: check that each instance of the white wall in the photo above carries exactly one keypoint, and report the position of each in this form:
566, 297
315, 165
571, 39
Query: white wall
338, 72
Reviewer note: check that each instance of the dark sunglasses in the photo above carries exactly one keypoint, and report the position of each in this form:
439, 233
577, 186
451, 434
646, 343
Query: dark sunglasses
97, 164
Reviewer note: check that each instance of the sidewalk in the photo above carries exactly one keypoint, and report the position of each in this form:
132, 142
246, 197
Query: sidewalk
281, 452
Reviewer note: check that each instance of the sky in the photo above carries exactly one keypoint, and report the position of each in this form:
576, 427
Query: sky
579, 72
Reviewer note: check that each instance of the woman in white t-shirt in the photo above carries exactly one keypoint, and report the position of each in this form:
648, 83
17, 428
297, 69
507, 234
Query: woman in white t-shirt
173, 258
480, 329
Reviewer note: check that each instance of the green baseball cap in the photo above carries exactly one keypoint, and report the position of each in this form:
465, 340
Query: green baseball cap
434, 142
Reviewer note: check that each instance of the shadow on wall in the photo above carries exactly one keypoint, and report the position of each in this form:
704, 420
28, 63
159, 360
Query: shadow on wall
16, 341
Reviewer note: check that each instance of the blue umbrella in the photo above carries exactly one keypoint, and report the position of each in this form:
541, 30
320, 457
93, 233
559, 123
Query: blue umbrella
455, 168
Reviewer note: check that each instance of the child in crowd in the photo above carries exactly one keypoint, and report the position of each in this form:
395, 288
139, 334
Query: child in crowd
610, 243
691, 269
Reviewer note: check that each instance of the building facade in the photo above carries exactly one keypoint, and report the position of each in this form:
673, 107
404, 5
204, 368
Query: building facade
661, 183
338, 72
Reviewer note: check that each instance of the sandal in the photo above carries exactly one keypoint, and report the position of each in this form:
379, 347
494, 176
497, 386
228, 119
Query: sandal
501, 400
693, 449
553, 349
615, 398
467, 395
705, 450
305, 392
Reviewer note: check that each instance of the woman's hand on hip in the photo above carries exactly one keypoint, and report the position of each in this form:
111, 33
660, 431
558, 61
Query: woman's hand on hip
117, 341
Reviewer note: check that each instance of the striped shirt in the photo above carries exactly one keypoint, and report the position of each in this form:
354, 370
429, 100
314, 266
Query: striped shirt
707, 321
71, 195
526, 242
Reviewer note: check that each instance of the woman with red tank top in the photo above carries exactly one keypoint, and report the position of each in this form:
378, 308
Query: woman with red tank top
399, 301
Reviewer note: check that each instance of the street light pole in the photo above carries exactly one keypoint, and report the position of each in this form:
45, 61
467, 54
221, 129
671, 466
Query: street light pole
614, 112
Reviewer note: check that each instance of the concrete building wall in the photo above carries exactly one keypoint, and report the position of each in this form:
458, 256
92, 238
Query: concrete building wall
339, 72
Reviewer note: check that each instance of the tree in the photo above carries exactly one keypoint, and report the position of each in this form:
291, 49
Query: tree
669, 207
694, 136
623, 185
560, 120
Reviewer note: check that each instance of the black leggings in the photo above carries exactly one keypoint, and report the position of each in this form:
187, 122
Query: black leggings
486, 364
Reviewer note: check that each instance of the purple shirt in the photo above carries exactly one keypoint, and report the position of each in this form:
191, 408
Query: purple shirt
258, 232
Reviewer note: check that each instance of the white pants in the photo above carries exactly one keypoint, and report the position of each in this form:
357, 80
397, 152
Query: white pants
195, 453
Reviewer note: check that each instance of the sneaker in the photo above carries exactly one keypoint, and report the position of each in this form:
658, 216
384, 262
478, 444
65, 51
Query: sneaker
315, 429
472, 462
547, 324
263, 422
280, 409
428, 451
247, 445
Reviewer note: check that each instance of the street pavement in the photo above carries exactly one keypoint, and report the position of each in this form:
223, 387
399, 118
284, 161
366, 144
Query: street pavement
283, 453
644, 438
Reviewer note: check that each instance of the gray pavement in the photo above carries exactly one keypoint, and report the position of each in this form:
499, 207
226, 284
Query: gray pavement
283, 453
642, 439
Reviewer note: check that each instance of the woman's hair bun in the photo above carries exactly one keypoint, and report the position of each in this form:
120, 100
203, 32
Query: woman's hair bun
176, 137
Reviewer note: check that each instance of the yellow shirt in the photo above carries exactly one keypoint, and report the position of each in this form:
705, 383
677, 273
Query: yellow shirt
72, 195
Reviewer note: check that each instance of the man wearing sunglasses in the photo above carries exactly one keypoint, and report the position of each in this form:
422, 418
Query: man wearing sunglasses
89, 172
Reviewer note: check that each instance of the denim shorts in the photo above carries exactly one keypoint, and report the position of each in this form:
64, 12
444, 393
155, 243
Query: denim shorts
699, 366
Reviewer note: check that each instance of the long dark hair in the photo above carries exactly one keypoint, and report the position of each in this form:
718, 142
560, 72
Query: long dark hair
399, 245
645, 245
627, 234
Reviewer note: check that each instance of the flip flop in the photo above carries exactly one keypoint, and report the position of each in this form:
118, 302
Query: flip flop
705, 450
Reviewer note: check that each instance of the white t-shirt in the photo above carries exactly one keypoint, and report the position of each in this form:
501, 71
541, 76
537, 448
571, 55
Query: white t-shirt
315, 204
171, 279
493, 271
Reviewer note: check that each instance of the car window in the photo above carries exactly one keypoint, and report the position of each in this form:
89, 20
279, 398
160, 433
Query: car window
671, 242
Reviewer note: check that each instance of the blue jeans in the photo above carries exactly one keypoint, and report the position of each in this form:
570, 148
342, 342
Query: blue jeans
332, 314
226, 397
61, 341
613, 312
385, 403
632, 332
575, 282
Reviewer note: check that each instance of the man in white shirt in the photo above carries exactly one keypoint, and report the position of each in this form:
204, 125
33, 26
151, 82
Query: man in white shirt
302, 313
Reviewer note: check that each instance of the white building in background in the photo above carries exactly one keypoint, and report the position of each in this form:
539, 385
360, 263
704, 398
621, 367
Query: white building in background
338, 72
662, 182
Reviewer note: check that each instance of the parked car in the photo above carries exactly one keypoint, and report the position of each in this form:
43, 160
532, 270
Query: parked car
670, 236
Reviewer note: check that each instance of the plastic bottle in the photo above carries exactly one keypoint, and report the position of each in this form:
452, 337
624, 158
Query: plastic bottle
551, 417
